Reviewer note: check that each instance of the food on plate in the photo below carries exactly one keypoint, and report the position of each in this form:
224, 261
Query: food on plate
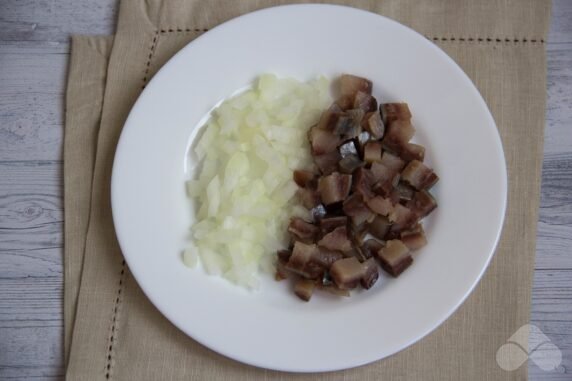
368, 180
337, 192
244, 188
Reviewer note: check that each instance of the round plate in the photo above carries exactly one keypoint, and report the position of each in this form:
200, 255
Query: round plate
271, 328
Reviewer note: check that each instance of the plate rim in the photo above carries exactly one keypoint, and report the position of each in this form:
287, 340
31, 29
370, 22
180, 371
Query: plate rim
161, 72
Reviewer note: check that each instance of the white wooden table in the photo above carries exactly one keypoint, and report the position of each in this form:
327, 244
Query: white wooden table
34, 46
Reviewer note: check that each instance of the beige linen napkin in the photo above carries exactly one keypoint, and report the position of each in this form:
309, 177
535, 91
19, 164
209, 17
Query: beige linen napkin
118, 333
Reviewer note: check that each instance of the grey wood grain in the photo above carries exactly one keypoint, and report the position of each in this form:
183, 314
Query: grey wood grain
34, 50
558, 138
36, 135
31, 281
561, 28
31, 221
551, 312
552, 285
33, 58
554, 233
47, 20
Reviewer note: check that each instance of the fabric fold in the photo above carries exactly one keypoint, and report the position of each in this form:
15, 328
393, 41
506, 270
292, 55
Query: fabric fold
84, 100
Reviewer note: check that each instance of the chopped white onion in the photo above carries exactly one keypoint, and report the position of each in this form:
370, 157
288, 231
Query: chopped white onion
190, 257
244, 188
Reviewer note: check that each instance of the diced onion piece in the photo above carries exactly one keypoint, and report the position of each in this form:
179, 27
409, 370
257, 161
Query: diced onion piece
194, 188
211, 131
190, 257
213, 194
213, 262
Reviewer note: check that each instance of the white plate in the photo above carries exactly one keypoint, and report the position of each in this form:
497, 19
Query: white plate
272, 328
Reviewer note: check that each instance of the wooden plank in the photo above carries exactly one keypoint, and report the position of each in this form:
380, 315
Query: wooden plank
554, 284
552, 313
558, 138
552, 287
30, 194
561, 26
556, 177
34, 47
43, 177
31, 279
552, 296
34, 352
31, 219
31, 372
31, 105
33, 73
554, 233
551, 309
31, 302
553, 245
47, 20
31, 263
